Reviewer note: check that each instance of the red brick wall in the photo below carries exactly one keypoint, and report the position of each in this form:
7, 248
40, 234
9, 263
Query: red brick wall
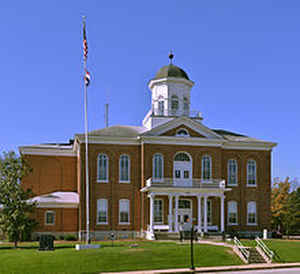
50, 174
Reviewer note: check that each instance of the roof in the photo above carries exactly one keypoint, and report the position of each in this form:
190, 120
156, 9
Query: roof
171, 71
120, 131
57, 199
232, 136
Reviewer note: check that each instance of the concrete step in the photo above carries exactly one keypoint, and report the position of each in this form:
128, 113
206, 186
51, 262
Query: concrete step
255, 257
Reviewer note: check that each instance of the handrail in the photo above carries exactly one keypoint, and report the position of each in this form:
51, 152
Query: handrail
241, 248
269, 253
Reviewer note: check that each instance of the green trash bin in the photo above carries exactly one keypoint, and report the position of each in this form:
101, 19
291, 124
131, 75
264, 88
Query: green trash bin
46, 242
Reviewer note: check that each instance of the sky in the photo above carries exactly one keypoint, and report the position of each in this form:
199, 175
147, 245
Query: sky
244, 57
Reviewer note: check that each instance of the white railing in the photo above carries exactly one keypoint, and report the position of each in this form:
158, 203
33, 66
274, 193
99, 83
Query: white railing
187, 183
243, 250
166, 112
267, 251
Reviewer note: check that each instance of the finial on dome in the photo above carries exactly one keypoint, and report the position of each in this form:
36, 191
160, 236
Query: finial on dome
171, 56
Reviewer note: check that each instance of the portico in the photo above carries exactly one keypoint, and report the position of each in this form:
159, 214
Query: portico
179, 204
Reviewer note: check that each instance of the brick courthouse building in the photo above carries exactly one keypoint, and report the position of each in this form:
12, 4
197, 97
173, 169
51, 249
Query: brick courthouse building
151, 177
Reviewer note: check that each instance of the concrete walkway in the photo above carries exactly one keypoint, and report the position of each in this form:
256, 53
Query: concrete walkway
213, 269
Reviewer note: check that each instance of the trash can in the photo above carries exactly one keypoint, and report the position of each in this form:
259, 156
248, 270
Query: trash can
46, 242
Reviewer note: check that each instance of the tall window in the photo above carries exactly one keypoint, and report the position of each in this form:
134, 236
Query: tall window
124, 211
158, 211
102, 171
232, 212
158, 165
174, 104
206, 167
251, 173
232, 172
185, 106
102, 211
49, 217
251, 213
161, 107
124, 168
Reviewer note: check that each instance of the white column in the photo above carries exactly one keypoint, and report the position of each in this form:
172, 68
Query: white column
222, 213
205, 213
170, 213
199, 213
176, 212
151, 196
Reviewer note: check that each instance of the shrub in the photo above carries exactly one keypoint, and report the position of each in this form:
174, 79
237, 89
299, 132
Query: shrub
70, 237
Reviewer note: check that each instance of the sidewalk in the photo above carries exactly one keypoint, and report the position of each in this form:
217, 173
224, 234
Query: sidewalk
214, 269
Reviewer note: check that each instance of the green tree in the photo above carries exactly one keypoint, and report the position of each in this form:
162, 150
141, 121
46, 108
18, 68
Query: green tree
15, 213
285, 206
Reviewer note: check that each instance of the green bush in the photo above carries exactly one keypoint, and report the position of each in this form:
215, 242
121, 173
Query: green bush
61, 237
70, 237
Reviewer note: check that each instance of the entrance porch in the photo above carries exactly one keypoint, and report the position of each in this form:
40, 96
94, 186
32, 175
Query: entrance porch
202, 202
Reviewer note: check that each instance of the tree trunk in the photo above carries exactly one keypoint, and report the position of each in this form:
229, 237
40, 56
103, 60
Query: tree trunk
16, 244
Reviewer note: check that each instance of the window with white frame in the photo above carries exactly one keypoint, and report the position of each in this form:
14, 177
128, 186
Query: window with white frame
182, 132
251, 173
232, 212
174, 104
124, 211
49, 217
251, 213
158, 166
102, 168
158, 211
206, 167
124, 168
102, 209
232, 172
161, 107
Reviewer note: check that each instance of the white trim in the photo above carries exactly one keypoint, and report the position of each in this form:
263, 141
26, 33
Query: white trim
228, 172
228, 222
47, 151
210, 167
128, 171
98, 210
108, 140
124, 223
170, 80
54, 217
153, 167
107, 168
255, 174
162, 210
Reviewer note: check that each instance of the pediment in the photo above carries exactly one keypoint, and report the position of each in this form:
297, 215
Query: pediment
194, 129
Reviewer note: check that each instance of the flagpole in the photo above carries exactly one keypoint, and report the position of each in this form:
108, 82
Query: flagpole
86, 155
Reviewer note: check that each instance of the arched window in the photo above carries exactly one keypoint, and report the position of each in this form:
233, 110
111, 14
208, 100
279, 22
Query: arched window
174, 104
185, 106
102, 170
232, 213
102, 209
251, 173
232, 172
182, 132
206, 167
251, 213
124, 168
158, 167
124, 211
183, 157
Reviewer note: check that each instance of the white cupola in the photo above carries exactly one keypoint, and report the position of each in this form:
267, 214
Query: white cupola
170, 89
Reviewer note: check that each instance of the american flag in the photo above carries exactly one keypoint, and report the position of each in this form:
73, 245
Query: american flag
85, 46
87, 78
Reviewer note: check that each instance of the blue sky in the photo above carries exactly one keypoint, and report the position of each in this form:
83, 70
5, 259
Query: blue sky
244, 57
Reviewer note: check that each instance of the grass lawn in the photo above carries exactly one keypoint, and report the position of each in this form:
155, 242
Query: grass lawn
121, 257
287, 251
